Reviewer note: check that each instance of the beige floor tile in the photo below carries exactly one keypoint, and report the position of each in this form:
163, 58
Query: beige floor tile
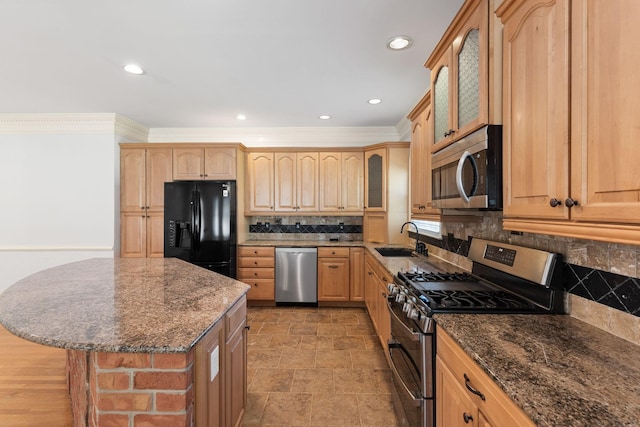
320, 317
292, 316
254, 327
371, 342
316, 381
359, 329
255, 406
310, 342
257, 341
298, 359
376, 410
275, 328
287, 409
349, 343
272, 380
372, 359
345, 317
261, 358
333, 359
303, 329
331, 329
285, 342
355, 380
335, 410
267, 316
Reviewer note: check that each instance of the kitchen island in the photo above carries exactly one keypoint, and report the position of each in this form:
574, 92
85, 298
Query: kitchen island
132, 329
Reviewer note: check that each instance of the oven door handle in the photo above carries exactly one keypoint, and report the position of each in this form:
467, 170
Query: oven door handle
414, 336
459, 182
417, 401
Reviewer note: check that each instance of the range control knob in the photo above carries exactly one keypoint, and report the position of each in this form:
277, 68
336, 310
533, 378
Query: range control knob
406, 308
401, 297
414, 314
393, 289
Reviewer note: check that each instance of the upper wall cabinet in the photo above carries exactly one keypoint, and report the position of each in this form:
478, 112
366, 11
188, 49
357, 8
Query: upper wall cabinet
305, 183
571, 127
421, 140
212, 163
465, 74
342, 182
296, 182
260, 185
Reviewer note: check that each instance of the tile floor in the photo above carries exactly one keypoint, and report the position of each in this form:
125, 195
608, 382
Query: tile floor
312, 366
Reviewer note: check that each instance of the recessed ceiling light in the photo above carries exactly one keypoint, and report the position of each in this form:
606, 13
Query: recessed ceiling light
241, 117
374, 101
133, 69
325, 117
399, 43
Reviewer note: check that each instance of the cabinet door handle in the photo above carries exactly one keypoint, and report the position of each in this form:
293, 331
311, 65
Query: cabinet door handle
570, 202
467, 418
555, 203
333, 266
467, 383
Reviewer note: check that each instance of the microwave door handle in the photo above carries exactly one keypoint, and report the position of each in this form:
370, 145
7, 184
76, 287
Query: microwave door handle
459, 183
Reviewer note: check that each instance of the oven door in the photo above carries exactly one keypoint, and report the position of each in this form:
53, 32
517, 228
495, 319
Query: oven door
410, 354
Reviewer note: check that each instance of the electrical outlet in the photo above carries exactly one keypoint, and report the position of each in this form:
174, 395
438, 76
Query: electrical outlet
341, 225
297, 226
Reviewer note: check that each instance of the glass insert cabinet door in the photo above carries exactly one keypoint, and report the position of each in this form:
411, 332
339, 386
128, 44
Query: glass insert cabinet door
441, 105
469, 79
375, 181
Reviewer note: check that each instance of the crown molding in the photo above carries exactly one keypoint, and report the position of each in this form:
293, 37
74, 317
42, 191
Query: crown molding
56, 123
130, 130
404, 129
279, 136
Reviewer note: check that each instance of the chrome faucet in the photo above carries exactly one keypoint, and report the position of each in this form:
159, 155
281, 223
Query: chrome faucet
417, 232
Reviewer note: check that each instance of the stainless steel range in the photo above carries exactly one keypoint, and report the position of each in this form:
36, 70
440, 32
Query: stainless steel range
504, 279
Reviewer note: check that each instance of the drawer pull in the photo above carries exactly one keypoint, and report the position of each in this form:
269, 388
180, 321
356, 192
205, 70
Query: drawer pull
466, 417
333, 266
467, 383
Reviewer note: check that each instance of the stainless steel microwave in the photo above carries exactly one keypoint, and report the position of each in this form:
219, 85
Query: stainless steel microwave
468, 173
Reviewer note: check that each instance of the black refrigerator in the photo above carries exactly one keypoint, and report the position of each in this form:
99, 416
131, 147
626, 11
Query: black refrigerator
200, 224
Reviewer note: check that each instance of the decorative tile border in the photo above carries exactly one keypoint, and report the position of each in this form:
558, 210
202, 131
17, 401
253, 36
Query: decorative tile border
304, 228
613, 290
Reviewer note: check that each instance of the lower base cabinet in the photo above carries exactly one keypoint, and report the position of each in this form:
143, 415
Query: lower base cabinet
221, 371
375, 297
456, 405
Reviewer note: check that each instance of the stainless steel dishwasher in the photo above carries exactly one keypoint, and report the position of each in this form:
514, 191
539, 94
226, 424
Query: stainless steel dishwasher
297, 275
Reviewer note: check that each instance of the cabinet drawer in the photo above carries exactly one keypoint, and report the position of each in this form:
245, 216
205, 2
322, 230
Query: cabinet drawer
256, 251
255, 262
245, 274
496, 404
263, 289
333, 252
236, 317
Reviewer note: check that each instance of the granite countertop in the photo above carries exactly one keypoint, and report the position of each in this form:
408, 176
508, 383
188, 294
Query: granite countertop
558, 369
159, 305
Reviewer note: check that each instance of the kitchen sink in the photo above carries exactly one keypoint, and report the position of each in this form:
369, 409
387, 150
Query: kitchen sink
395, 252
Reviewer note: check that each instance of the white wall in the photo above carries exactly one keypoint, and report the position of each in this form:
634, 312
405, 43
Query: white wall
57, 199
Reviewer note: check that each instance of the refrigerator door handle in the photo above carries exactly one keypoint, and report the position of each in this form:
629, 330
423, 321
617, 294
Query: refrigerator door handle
195, 204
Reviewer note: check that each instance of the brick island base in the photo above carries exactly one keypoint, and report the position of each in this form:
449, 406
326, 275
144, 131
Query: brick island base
131, 389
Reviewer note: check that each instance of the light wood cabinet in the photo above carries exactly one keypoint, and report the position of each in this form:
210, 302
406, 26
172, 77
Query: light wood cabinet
143, 173
386, 192
375, 294
456, 404
465, 84
296, 182
333, 274
256, 267
260, 184
420, 155
341, 182
220, 386
356, 271
210, 163
570, 133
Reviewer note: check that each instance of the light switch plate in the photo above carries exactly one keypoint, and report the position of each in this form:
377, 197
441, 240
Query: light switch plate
214, 360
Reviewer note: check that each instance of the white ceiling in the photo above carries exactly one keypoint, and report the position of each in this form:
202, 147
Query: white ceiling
279, 62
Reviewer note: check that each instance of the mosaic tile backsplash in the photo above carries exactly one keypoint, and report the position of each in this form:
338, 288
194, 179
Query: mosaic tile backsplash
306, 228
601, 272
